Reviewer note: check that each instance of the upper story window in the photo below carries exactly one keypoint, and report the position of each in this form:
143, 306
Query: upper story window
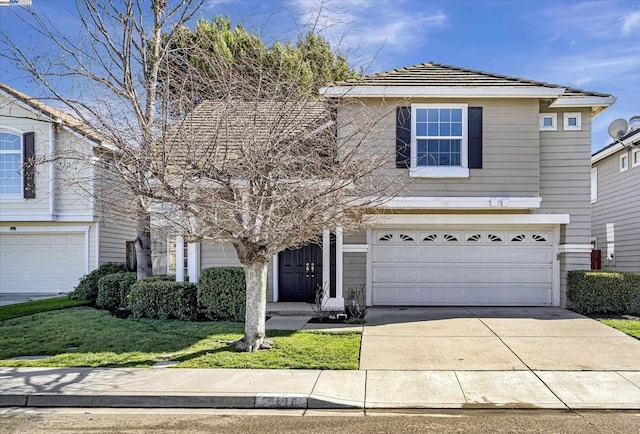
635, 158
439, 140
572, 121
594, 184
548, 121
624, 162
10, 164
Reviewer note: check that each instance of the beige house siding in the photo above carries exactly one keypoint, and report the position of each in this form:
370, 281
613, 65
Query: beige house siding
565, 187
74, 177
113, 238
618, 203
510, 147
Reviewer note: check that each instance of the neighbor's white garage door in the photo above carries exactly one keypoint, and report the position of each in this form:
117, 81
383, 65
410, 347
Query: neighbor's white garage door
462, 267
41, 262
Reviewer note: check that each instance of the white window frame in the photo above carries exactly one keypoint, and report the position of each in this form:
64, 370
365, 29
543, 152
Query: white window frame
635, 158
624, 162
461, 171
554, 122
594, 185
18, 134
577, 116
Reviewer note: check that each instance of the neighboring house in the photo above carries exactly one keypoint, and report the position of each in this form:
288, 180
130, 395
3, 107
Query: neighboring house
52, 231
496, 211
615, 202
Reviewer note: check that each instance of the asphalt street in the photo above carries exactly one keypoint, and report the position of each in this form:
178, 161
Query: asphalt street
138, 421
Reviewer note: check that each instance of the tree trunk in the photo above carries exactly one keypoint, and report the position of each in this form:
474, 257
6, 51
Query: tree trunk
143, 243
254, 324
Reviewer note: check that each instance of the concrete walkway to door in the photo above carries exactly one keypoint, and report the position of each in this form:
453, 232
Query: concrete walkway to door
493, 339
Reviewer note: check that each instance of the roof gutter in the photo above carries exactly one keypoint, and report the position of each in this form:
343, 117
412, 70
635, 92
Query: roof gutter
632, 140
442, 91
583, 101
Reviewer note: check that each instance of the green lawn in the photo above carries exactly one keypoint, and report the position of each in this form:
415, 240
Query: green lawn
31, 307
84, 336
630, 327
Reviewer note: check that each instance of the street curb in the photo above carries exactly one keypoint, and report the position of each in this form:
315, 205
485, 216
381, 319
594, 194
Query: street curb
263, 401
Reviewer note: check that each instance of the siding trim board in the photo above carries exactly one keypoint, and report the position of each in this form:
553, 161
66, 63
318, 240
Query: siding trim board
454, 202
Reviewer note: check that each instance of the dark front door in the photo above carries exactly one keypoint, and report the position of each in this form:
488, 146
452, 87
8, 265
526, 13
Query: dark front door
300, 273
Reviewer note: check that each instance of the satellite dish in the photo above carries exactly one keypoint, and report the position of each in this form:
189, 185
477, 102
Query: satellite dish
618, 128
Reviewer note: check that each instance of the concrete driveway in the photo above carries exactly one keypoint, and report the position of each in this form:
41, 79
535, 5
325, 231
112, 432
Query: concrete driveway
493, 339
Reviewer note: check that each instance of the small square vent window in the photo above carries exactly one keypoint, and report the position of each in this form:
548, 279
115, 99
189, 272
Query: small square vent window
548, 121
573, 121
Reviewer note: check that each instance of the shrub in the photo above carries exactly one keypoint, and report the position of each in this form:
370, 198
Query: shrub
603, 291
222, 293
163, 300
161, 278
113, 290
87, 288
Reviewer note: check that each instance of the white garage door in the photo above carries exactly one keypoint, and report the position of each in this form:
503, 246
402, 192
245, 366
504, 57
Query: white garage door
41, 262
462, 267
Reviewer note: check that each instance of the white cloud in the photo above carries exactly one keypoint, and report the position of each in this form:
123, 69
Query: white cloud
631, 23
364, 27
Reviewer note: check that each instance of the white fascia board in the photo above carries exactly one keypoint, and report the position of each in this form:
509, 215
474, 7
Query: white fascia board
463, 203
20, 217
574, 248
442, 91
632, 140
470, 219
355, 248
583, 101
606, 152
43, 229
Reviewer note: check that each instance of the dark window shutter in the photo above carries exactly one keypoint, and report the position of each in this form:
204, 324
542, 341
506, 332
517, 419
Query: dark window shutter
474, 137
28, 166
403, 137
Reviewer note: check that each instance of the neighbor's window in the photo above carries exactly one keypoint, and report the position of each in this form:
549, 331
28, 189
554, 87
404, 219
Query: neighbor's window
439, 142
572, 121
624, 162
548, 121
10, 164
635, 158
594, 184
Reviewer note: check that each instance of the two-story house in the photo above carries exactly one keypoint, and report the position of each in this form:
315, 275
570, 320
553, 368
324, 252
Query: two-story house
615, 202
52, 228
497, 204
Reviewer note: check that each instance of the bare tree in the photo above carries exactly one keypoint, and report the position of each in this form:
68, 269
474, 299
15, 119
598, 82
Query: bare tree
114, 74
262, 164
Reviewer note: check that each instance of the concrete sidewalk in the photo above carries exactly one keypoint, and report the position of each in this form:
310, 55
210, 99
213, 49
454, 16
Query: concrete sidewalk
300, 389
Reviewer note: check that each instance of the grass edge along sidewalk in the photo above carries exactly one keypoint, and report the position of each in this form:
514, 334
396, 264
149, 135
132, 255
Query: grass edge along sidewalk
86, 337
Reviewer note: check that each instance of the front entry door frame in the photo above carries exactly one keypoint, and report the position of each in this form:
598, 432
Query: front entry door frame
332, 264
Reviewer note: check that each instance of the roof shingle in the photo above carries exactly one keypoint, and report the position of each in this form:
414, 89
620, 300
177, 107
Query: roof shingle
438, 74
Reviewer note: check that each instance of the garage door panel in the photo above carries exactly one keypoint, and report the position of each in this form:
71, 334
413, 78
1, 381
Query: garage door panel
46, 262
476, 267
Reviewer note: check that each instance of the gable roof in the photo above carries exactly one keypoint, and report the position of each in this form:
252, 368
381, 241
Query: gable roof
437, 79
56, 115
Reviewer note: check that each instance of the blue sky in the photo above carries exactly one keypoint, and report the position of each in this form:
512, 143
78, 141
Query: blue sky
593, 45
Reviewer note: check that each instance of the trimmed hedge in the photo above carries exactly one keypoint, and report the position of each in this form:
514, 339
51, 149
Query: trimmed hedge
161, 278
222, 293
164, 300
87, 289
603, 291
113, 290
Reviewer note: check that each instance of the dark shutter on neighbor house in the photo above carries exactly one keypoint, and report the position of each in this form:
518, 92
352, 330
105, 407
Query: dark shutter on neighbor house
474, 137
403, 137
28, 166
